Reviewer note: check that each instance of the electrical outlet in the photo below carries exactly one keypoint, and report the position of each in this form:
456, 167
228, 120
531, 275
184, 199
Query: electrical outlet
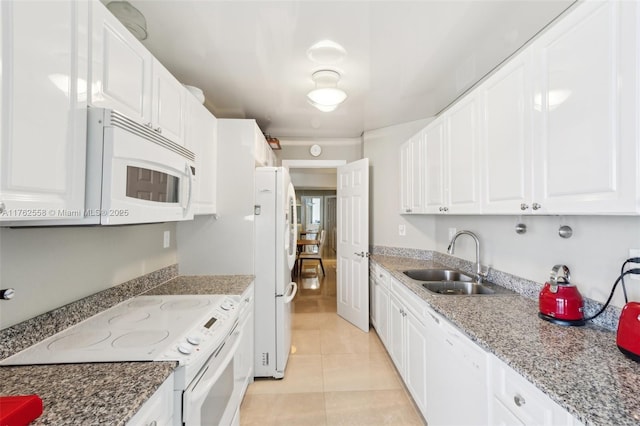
452, 232
402, 230
633, 253
167, 239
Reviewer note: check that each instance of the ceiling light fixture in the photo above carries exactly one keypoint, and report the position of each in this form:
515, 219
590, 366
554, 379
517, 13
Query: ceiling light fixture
326, 52
130, 17
326, 96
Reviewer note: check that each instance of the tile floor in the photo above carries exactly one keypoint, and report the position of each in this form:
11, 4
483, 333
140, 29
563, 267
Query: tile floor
336, 375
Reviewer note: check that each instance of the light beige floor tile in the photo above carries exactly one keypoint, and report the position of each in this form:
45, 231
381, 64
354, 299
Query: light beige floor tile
304, 342
352, 341
305, 306
353, 372
303, 374
307, 321
303, 409
379, 407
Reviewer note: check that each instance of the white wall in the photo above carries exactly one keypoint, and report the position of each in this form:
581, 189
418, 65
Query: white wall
594, 253
51, 267
349, 149
381, 147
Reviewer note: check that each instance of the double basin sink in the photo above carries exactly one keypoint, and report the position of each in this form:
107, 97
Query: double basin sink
451, 282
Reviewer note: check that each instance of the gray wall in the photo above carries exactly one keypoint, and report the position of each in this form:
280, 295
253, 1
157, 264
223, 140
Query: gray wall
349, 149
594, 254
50, 267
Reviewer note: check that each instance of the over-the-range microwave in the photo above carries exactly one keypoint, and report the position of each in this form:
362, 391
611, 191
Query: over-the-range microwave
133, 175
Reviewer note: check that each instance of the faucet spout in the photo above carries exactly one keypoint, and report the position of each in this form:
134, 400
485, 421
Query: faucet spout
452, 246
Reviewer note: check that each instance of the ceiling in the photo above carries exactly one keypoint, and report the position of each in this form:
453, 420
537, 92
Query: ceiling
406, 60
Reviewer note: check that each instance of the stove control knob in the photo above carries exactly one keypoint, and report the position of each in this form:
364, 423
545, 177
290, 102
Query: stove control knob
184, 349
194, 340
227, 305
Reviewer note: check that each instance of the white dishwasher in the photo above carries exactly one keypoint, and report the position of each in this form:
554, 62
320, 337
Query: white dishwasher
456, 376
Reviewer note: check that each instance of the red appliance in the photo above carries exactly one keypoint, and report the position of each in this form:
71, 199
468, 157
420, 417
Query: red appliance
628, 337
19, 410
560, 302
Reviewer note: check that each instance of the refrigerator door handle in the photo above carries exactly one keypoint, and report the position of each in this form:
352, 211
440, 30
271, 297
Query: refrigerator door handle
291, 292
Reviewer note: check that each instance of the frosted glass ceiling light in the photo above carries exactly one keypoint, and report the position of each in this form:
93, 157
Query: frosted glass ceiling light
326, 94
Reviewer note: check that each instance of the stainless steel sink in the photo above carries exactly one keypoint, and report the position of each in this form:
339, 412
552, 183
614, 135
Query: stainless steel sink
452, 282
437, 275
457, 288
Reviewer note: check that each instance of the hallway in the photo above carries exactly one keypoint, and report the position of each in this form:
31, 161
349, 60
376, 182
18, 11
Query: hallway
336, 374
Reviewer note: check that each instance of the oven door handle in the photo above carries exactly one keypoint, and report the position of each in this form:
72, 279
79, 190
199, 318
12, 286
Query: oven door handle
291, 292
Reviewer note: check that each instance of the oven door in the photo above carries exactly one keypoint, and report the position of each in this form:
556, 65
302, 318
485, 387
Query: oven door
210, 400
142, 181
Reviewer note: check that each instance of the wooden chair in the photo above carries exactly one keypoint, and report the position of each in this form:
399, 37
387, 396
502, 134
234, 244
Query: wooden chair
312, 256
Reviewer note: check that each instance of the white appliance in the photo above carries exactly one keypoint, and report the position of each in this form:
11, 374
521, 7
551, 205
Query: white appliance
275, 255
133, 175
199, 331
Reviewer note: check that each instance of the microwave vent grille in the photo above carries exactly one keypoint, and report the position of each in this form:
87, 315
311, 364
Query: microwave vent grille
125, 123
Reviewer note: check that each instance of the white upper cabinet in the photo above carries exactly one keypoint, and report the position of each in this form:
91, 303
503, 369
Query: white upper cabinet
434, 173
43, 109
127, 78
586, 111
262, 151
507, 139
462, 151
168, 104
120, 67
412, 175
201, 137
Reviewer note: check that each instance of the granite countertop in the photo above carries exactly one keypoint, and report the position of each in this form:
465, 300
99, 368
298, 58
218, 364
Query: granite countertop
97, 393
580, 368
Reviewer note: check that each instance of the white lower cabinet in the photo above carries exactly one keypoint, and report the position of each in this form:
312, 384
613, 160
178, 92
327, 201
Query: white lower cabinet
515, 401
243, 361
452, 380
407, 341
379, 303
158, 410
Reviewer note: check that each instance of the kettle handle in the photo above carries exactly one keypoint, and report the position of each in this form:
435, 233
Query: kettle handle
554, 279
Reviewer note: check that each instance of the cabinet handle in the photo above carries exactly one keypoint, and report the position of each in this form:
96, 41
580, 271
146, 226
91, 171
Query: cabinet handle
407, 210
2, 207
524, 206
444, 209
536, 206
519, 400
434, 318
159, 130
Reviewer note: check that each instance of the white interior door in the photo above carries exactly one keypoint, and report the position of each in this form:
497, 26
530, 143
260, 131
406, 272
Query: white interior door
353, 243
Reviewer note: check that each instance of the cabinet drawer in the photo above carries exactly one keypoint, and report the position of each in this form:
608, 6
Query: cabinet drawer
380, 275
529, 404
412, 302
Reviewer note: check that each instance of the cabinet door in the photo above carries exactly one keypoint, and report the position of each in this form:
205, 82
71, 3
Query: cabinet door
416, 360
462, 156
506, 139
372, 298
417, 173
586, 148
43, 109
168, 104
396, 333
501, 416
120, 67
435, 162
201, 137
405, 177
382, 313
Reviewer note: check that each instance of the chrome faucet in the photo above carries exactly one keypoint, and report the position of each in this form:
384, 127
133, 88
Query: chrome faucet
452, 246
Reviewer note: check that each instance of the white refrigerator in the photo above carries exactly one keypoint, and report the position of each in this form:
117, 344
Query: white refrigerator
275, 254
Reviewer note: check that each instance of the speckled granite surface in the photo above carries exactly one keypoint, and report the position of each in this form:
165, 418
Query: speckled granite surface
527, 288
578, 367
98, 393
204, 284
87, 394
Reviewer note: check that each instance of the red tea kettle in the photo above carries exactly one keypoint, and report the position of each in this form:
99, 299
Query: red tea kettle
560, 302
628, 336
